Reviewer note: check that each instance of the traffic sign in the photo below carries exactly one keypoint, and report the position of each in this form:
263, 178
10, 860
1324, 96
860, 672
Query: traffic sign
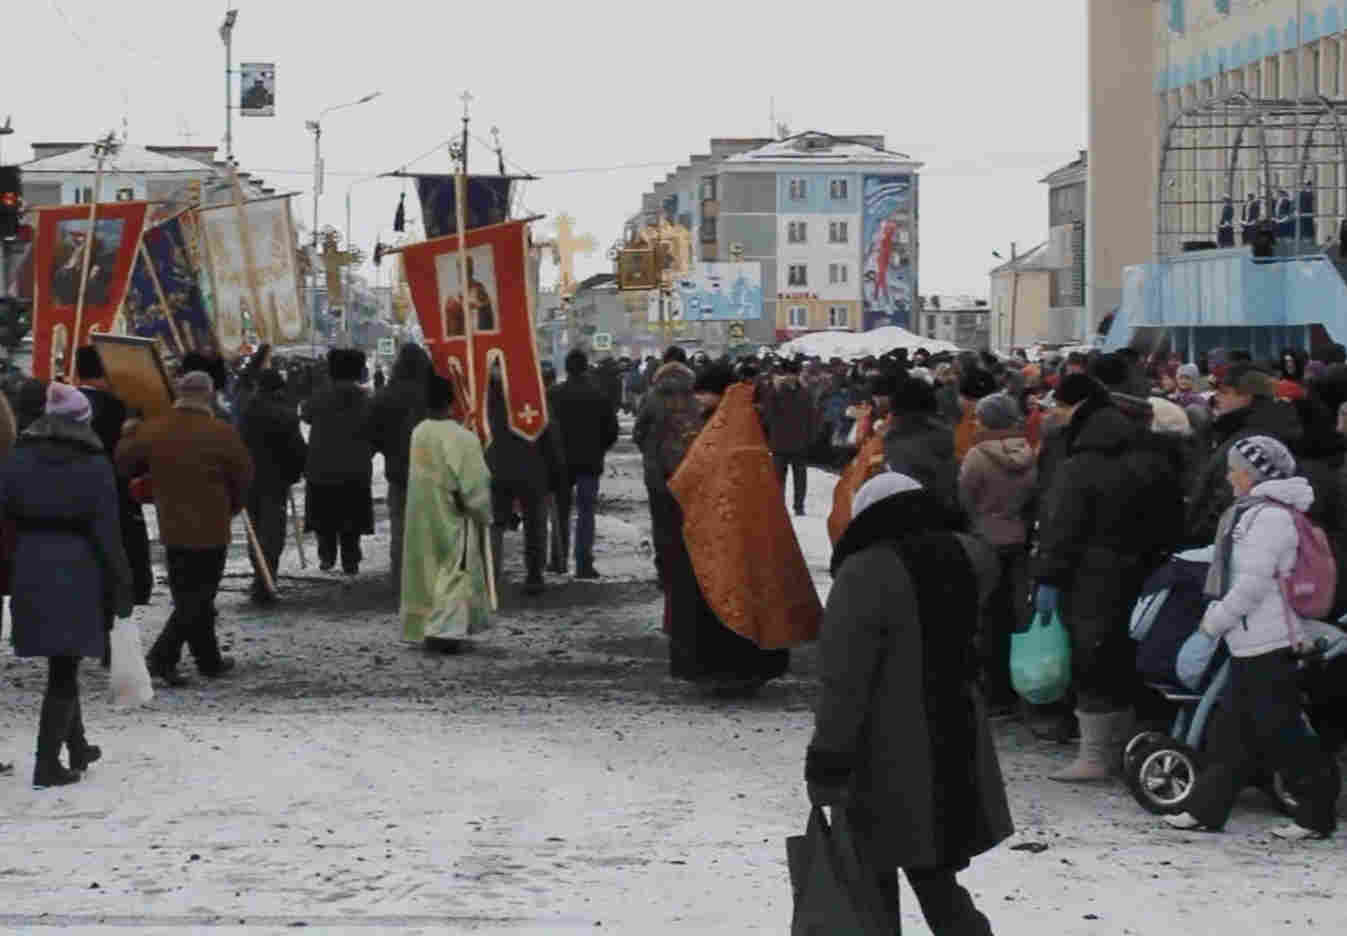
386, 347
603, 341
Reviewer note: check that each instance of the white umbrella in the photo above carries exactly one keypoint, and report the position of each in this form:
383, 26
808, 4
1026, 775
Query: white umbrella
850, 346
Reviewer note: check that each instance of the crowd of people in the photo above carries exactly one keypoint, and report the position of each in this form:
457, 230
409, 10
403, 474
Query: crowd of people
973, 491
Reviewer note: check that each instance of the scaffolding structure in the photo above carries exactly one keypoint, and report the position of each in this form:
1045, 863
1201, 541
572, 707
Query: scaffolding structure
1238, 146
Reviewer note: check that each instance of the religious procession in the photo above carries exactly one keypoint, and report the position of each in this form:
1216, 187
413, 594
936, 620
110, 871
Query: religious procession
456, 570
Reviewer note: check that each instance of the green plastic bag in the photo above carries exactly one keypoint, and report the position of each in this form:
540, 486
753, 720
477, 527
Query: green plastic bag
1040, 659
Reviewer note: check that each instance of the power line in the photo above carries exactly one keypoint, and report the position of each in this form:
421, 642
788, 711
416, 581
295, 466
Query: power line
541, 172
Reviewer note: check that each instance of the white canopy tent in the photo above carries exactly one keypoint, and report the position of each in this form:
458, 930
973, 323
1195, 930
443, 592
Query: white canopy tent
850, 346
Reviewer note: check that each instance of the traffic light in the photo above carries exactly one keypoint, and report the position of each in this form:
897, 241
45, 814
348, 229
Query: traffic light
11, 200
15, 322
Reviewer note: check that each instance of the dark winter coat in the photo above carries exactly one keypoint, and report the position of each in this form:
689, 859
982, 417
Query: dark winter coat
1113, 512
397, 410
271, 432
899, 721
340, 448
514, 460
70, 572
109, 415
668, 423
790, 418
200, 469
588, 423
1211, 493
922, 447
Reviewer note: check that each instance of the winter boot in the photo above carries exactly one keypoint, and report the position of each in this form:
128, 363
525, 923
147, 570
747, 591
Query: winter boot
81, 752
1099, 747
52, 730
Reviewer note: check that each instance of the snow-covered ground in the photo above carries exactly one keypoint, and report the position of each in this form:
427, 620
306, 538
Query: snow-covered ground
552, 780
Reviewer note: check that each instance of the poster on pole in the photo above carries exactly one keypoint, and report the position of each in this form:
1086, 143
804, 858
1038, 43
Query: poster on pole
257, 87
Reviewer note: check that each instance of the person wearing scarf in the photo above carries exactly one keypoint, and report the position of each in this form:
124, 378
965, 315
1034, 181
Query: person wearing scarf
1256, 546
901, 739
70, 571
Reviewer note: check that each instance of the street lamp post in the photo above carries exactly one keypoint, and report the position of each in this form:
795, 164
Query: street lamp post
227, 37
316, 128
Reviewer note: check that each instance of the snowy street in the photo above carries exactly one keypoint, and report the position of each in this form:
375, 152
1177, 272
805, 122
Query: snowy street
554, 779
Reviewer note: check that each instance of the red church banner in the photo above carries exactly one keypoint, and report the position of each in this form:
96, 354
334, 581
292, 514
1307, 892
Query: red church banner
498, 315
64, 248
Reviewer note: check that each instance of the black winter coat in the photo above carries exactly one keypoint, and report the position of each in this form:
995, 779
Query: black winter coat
340, 450
398, 409
789, 414
922, 447
514, 460
1113, 512
1211, 493
588, 423
271, 432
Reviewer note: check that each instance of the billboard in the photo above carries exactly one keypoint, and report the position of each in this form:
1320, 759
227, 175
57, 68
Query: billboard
888, 244
257, 89
720, 292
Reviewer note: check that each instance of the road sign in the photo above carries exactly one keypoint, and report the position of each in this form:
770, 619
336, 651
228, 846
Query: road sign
386, 347
603, 341
736, 331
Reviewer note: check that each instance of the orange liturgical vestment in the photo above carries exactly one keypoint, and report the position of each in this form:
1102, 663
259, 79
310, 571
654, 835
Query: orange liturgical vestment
743, 547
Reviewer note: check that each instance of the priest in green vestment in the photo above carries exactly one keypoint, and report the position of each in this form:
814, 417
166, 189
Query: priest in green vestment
444, 585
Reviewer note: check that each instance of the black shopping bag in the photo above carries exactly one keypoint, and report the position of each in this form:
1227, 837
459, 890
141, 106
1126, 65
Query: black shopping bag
835, 893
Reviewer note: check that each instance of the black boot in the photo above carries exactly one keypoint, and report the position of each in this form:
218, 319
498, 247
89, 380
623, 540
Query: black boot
52, 730
80, 751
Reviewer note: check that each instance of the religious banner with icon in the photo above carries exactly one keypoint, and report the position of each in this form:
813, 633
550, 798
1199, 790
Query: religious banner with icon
250, 251
488, 201
165, 302
496, 307
80, 278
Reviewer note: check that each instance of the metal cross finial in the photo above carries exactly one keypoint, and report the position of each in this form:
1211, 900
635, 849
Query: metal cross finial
467, 99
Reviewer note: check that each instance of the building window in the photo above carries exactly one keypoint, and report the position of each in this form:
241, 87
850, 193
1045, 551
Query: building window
949, 320
799, 190
930, 326
126, 194
797, 274
708, 188
84, 195
837, 316
837, 273
798, 316
708, 230
837, 232
795, 232
837, 188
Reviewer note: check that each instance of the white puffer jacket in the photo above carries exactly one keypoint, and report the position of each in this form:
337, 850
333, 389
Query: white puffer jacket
1253, 616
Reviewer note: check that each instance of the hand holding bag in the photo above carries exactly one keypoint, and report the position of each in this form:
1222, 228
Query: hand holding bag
128, 678
1040, 659
835, 892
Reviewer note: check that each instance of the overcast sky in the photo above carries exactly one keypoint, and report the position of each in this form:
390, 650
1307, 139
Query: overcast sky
990, 95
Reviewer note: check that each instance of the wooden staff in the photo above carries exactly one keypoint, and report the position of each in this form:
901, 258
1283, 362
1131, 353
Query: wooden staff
299, 531
163, 302
258, 556
88, 259
490, 568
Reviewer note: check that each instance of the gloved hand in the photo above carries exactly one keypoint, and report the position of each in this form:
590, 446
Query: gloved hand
1046, 598
820, 795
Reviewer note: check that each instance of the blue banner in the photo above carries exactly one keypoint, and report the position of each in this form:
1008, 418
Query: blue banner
165, 247
488, 202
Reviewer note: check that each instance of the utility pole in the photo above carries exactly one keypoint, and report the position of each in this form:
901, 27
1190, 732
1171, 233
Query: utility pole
227, 36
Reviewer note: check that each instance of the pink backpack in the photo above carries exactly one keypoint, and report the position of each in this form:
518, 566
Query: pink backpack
1313, 582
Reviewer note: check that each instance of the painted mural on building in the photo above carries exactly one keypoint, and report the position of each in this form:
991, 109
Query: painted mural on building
720, 292
888, 240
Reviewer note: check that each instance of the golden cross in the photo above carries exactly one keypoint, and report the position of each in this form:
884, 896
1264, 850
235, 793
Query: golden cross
333, 261
567, 246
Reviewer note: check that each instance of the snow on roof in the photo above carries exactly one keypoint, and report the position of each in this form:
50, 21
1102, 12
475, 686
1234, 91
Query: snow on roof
129, 159
821, 148
850, 346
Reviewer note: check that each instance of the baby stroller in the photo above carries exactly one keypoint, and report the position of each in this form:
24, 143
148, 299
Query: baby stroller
1191, 672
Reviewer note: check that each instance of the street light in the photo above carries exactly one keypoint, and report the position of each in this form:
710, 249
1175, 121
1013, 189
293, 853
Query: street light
316, 128
227, 37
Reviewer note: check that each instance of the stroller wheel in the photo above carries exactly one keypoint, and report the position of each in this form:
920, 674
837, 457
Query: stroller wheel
1141, 744
1162, 778
1281, 792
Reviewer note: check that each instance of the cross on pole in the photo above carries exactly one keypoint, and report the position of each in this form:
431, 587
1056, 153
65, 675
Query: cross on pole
568, 245
467, 99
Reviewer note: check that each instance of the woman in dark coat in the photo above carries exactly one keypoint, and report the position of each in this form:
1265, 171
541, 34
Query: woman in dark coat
339, 501
901, 738
69, 568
